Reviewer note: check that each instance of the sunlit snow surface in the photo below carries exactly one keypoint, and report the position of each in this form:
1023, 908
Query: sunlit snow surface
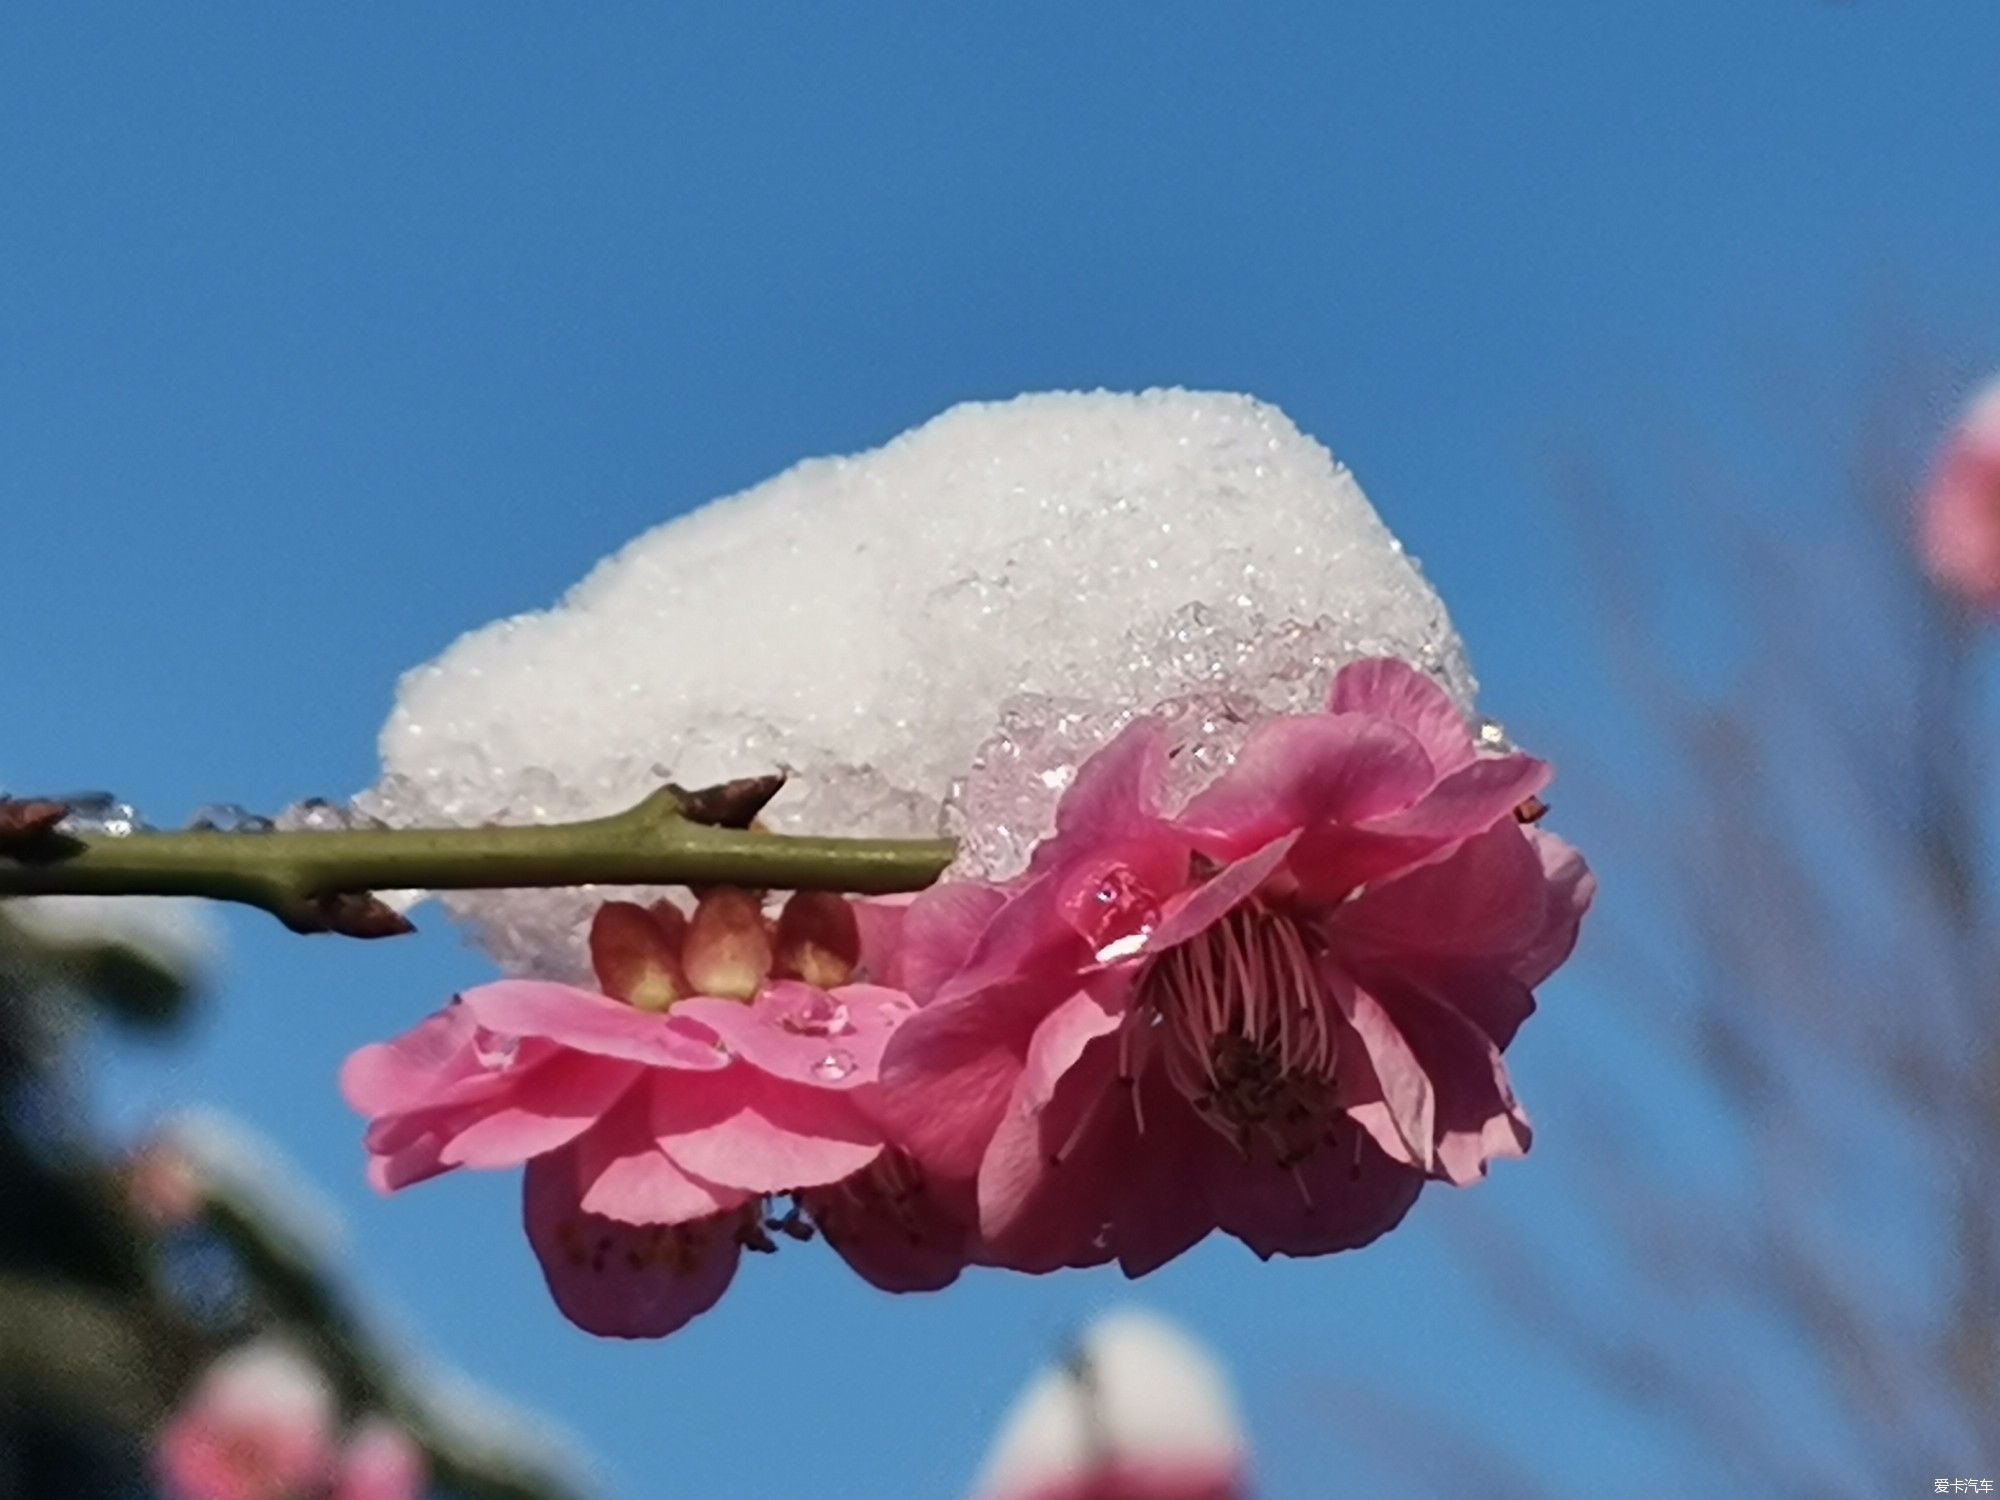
930, 635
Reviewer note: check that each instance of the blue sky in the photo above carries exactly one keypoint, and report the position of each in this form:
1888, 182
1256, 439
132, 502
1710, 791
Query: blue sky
327, 332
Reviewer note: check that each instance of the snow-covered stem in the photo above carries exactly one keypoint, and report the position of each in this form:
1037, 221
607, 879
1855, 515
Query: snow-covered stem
319, 881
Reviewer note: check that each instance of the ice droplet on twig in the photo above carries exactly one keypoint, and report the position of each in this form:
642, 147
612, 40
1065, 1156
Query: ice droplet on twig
228, 817
320, 815
100, 813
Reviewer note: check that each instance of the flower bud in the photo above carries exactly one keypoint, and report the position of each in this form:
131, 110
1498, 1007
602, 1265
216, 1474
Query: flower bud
819, 940
728, 950
635, 952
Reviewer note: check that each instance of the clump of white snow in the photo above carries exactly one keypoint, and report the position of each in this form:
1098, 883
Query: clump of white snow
928, 636
1138, 1395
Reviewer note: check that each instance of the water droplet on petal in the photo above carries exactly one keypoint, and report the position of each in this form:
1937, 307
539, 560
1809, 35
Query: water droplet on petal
1120, 916
835, 1066
1124, 947
818, 1015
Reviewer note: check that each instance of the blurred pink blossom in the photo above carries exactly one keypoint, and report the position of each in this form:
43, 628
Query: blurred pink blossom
163, 1184
1959, 525
258, 1426
1277, 1011
1137, 1411
381, 1462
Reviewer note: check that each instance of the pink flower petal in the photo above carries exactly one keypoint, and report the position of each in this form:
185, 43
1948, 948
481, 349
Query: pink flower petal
623, 1280
1160, 1211
1404, 1088
949, 1071
1395, 690
1101, 1172
555, 1103
1340, 1198
1115, 797
391, 1075
1477, 1116
1334, 860
895, 1227
1305, 771
1059, 1041
589, 1022
939, 931
1219, 895
1044, 1184
1471, 799
1029, 935
1487, 899
407, 1145
407, 1163
881, 920
746, 1129
625, 1175
1570, 888
828, 1039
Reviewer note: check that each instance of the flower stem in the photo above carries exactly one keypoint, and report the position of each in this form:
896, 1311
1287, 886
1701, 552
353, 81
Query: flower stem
319, 881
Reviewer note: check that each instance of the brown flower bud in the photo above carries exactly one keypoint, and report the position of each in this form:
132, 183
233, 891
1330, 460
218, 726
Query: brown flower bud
728, 949
636, 953
819, 940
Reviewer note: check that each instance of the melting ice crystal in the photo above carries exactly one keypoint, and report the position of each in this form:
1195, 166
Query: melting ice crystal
928, 636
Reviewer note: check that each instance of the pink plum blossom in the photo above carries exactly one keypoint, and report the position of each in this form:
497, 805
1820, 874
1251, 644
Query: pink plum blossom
1277, 1010
259, 1425
724, 1061
1959, 524
381, 1462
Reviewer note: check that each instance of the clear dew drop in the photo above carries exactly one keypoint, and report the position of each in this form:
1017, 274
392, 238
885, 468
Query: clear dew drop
835, 1066
101, 813
495, 1052
228, 817
821, 1016
1126, 916
319, 815
1124, 946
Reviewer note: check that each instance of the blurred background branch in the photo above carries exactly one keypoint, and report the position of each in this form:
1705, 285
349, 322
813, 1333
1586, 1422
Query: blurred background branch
1812, 829
117, 1292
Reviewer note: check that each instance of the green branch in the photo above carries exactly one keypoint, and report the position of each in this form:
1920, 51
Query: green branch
320, 881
